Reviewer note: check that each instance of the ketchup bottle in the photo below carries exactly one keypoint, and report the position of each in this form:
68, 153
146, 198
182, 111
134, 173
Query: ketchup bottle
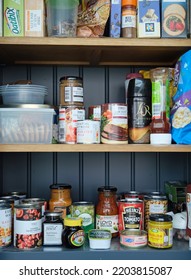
160, 125
188, 208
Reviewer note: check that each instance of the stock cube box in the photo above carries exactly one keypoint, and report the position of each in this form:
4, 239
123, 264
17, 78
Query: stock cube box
34, 18
148, 19
13, 21
26, 125
175, 191
115, 19
174, 19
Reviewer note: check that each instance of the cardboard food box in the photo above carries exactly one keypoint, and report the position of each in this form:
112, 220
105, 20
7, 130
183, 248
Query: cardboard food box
148, 19
174, 19
34, 18
115, 19
175, 191
13, 21
1, 18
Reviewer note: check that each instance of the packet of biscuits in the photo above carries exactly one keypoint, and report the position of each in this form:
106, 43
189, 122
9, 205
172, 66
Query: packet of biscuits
92, 17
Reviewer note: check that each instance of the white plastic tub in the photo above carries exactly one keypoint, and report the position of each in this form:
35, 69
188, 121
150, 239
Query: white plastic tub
26, 125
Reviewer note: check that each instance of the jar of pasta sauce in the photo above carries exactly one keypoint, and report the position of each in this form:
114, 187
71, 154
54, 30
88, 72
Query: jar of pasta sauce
107, 210
71, 91
160, 231
60, 198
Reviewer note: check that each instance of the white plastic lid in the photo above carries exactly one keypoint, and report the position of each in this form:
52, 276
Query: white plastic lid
160, 138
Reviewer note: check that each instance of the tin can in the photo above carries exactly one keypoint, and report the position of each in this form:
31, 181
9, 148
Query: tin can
86, 211
20, 195
88, 132
114, 128
27, 226
131, 214
133, 238
94, 112
68, 118
160, 231
154, 203
131, 194
11, 199
71, 91
5, 224
41, 201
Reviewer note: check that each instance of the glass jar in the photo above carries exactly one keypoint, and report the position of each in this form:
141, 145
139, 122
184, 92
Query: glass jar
129, 18
60, 198
52, 228
107, 210
73, 236
71, 91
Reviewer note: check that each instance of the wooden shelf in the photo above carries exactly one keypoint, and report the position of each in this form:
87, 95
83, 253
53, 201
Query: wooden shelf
95, 148
91, 51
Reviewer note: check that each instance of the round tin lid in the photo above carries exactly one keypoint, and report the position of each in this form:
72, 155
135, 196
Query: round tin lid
60, 186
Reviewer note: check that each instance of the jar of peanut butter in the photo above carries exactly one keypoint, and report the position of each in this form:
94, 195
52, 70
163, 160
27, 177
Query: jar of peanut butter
71, 91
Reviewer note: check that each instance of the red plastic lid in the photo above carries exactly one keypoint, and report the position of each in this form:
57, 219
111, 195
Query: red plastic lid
133, 75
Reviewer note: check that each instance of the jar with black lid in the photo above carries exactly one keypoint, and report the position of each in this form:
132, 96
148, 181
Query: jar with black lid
73, 236
139, 110
71, 91
52, 228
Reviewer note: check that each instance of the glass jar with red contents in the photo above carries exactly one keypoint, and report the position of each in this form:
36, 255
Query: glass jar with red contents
107, 210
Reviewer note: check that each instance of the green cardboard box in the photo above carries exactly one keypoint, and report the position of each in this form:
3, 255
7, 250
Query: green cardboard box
175, 191
13, 21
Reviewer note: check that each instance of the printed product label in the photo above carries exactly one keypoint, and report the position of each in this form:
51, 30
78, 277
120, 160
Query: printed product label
160, 238
74, 94
132, 217
157, 208
107, 222
97, 114
78, 238
129, 19
188, 204
33, 20
5, 226
13, 18
53, 234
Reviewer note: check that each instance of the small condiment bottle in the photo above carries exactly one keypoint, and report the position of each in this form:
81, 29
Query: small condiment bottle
129, 18
107, 210
60, 199
73, 236
160, 125
52, 228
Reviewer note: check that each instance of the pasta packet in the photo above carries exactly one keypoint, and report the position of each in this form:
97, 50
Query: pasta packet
181, 110
92, 17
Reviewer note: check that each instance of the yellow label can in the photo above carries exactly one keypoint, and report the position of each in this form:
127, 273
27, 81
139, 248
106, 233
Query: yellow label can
160, 231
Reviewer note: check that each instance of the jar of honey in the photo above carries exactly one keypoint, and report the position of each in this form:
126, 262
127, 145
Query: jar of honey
107, 210
60, 198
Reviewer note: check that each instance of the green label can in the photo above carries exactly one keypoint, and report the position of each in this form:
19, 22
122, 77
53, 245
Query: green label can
86, 211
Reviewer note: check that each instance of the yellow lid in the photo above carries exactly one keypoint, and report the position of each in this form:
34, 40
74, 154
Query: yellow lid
72, 222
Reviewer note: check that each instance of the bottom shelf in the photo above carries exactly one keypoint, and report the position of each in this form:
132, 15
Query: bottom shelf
179, 251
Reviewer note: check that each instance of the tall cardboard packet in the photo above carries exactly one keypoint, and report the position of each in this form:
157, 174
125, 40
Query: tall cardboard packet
1, 18
34, 18
13, 18
148, 19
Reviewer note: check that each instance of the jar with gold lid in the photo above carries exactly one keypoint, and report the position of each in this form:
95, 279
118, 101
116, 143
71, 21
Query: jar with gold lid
71, 91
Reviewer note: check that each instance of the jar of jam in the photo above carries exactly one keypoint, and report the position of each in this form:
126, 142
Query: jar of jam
107, 210
71, 91
73, 236
52, 228
60, 198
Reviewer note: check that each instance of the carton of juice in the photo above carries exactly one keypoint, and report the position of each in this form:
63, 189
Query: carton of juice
13, 21
34, 18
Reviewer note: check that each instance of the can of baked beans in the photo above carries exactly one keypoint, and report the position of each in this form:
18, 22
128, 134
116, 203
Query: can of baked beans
94, 112
131, 214
5, 224
154, 203
68, 118
114, 123
27, 226
88, 132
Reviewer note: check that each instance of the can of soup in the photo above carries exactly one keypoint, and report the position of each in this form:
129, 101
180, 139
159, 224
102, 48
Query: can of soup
86, 211
5, 224
131, 214
27, 226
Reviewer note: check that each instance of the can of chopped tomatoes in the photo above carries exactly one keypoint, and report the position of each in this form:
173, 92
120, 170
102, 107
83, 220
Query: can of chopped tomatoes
5, 224
131, 214
27, 225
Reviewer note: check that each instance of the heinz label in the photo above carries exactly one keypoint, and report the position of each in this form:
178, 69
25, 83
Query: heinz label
13, 18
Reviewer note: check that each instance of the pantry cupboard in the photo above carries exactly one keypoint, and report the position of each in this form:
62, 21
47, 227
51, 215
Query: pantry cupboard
103, 63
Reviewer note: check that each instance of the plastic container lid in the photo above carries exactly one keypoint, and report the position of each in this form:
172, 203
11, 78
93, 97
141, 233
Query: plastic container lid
160, 138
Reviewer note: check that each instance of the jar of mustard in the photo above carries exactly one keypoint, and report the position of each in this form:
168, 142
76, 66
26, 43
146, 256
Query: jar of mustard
60, 199
160, 231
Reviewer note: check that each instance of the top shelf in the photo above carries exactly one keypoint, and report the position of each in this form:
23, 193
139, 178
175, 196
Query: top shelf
92, 51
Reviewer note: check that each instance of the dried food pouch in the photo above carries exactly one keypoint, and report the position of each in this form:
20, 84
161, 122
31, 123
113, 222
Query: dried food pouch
181, 110
92, 17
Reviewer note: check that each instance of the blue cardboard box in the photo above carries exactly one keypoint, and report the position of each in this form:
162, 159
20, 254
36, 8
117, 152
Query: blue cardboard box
115, 19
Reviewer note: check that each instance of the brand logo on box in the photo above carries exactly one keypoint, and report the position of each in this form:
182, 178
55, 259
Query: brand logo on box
13, 20
149, 27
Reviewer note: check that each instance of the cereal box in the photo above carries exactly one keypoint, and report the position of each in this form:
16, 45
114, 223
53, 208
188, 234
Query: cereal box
148, 19
174, 18
34, 18
13, 21
115, 19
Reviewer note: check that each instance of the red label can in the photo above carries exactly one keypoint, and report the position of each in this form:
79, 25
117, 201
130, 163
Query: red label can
131, 214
